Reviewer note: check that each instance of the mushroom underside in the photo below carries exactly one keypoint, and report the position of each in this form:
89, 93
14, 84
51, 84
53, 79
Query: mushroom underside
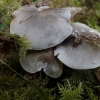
37, 60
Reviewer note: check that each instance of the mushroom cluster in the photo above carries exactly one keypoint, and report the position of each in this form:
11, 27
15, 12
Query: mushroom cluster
54, 40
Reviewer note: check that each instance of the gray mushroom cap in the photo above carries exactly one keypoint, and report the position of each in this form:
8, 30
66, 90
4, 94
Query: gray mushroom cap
82, 56
42, 28
43, 59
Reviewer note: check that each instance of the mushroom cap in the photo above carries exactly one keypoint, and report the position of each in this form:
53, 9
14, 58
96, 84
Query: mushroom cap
81, 28
43, 59
42, 28
82, 56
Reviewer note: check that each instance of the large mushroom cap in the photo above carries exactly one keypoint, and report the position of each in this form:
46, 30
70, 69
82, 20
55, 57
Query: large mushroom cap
82, 56
42, 28
44, 59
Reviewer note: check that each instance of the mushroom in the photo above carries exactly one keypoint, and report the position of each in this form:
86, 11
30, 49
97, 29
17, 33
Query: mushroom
36, 60
44, 29
81, 56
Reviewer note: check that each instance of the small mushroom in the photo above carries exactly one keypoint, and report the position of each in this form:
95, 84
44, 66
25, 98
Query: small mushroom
43, 29
82, 56
43, 59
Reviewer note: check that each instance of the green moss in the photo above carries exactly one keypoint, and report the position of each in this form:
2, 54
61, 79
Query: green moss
16, 88
70, 92
72, 85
